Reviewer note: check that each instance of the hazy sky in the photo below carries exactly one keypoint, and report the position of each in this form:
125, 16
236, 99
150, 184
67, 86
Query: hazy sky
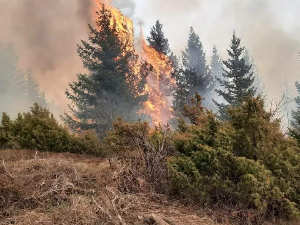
45, 33
270, 29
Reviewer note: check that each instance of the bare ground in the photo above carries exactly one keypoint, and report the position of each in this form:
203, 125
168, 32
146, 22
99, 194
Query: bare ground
48, 188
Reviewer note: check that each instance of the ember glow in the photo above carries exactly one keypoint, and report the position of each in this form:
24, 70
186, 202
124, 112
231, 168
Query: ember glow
159, 81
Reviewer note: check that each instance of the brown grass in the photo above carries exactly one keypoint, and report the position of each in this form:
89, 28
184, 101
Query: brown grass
48, 188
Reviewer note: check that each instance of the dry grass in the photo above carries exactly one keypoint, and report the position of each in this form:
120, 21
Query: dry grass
47, 188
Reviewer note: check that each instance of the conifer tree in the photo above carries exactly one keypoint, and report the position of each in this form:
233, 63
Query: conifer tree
194, 75
111, 88
158, 40
237, 79
33, 92
260, 89
18, 90
12, 90
216, 65
160, 43
195, 68
295, 129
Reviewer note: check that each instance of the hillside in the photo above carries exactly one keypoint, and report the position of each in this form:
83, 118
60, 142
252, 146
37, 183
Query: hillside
47, 188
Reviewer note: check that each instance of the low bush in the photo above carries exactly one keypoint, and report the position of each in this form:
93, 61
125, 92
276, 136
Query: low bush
144, 153
38, 129
246, 162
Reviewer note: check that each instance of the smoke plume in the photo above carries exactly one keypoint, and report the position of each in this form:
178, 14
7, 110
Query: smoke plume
270, 29
45, 34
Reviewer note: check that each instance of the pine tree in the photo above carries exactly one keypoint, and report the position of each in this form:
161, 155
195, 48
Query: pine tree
158, 40
194, 75
195, 68
33, 92
111, 88
295, 129
257, 80
216, 65
160, 43
12, 89
237, 79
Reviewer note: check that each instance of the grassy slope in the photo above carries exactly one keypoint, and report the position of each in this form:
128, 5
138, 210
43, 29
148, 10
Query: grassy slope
46, 188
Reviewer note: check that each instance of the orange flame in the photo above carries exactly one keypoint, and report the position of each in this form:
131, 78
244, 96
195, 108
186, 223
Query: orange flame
159, 80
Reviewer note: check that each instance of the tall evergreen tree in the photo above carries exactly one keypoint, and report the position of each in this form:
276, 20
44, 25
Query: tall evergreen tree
254, 69
237, 79
195, 68
111, 88
12, 89
295, 129
33, 92
194, 75
18, 90
160, 43
158, 40
216, 65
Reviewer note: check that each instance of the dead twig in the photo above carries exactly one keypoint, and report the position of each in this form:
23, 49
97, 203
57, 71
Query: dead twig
8, 173
114, 205
102, 209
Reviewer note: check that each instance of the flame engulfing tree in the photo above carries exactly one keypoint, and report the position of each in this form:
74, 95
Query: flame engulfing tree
111, 88
158, 40
238, 79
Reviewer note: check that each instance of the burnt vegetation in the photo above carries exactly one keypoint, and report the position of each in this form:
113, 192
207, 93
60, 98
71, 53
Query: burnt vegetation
228, 159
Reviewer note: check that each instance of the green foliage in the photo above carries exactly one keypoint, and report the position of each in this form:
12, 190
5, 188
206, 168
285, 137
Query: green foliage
194, 75
238, 79
112, 88
245, 162
216, 65
38, 129
158, 40
295, 129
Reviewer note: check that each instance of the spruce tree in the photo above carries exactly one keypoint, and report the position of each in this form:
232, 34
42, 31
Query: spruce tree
295, 129
33, 92
237, 79
111, 88
160, 43
195, 68
260, 89
12, 89
194, 75
216, 65
158, 40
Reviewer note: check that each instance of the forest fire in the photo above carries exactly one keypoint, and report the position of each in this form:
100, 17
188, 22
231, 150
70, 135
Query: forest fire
159, 81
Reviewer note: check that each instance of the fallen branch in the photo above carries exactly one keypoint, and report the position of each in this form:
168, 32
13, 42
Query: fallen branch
102, 209
9, 174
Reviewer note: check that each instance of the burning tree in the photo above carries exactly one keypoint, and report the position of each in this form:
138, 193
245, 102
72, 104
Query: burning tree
112, 88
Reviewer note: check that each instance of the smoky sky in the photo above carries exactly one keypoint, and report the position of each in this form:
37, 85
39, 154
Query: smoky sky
45, 33
269, 29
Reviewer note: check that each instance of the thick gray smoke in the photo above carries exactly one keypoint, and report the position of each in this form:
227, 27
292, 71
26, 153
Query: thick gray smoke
126, 6
45, 34
270, 29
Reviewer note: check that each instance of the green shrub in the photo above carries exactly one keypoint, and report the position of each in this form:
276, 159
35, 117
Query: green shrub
246, 162
38, 129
